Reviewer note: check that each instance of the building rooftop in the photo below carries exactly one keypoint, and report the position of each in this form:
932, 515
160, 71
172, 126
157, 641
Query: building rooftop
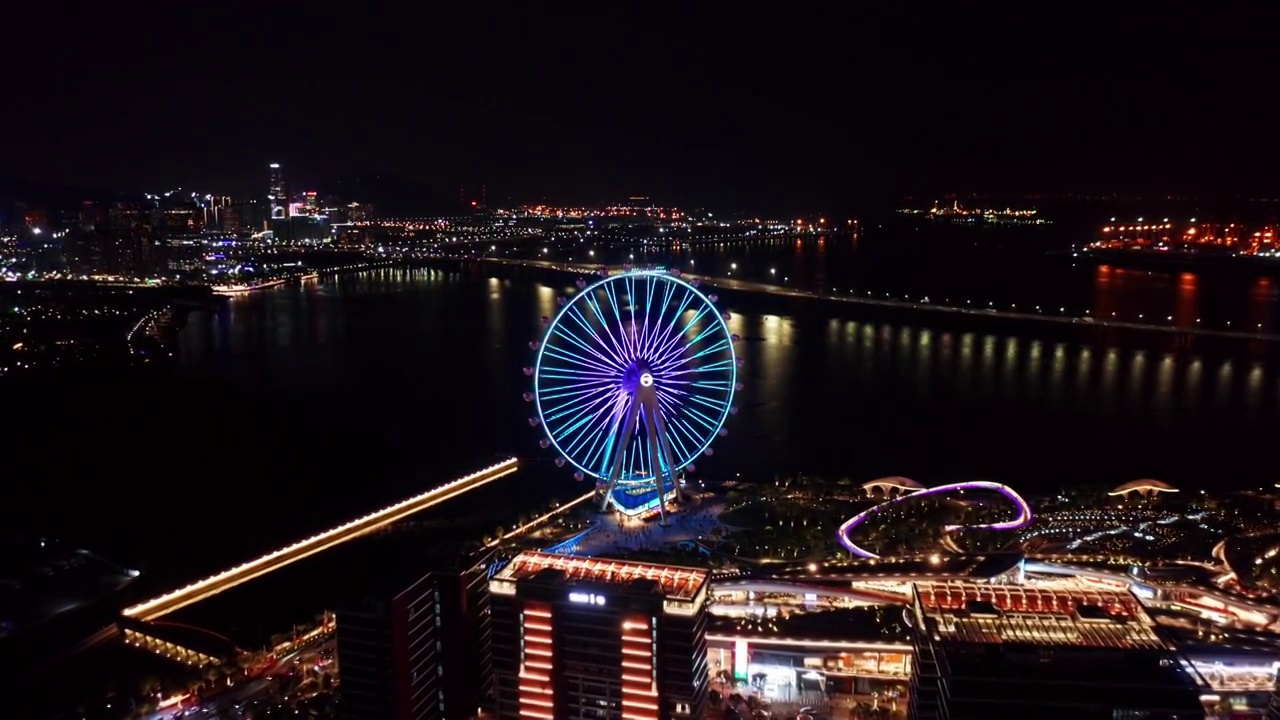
1144, 485
675, 582
985, 566
1052, 614
852, 625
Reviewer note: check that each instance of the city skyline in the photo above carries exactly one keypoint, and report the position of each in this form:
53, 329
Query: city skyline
640, 363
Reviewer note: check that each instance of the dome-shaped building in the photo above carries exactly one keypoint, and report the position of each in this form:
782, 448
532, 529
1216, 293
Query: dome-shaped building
887, 486
1144, 488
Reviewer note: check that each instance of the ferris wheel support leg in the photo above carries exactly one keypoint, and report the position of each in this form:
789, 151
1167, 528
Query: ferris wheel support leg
624, 441
655, 463
668, 455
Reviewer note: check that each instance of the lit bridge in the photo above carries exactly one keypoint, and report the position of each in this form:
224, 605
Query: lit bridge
208, 587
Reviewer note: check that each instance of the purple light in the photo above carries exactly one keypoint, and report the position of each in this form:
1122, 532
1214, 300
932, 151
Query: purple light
640, 329
1024, 512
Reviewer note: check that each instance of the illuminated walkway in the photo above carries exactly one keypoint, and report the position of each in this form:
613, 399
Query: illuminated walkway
1024, 512
210, 586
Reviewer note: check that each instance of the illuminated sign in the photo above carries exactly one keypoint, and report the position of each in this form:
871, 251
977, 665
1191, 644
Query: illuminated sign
741, 653
586, 598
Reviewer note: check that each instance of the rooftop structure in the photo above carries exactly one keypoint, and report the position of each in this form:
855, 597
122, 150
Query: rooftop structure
1057, 649
676, 583
1145, 488
887, 485
1058, 613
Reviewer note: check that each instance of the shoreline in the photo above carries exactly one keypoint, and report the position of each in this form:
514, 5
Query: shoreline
760, 288
237, 290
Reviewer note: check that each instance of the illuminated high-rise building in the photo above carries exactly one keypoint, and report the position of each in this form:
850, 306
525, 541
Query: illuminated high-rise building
580, 637
277, 195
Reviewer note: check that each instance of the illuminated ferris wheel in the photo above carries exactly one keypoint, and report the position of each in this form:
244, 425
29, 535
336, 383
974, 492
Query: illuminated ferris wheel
634, 379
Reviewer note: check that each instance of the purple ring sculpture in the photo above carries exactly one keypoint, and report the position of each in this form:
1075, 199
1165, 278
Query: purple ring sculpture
1024, 512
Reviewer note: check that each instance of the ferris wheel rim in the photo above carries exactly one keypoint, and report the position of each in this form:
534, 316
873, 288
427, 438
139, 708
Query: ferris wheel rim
718, 321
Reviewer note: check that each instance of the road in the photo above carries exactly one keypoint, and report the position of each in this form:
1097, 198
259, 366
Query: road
229, 703
778, 290
210, 586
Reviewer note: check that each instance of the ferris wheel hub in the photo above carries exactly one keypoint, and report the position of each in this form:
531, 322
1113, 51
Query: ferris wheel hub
637, 375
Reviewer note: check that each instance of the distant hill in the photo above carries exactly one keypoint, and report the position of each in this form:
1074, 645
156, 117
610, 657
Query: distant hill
392, 195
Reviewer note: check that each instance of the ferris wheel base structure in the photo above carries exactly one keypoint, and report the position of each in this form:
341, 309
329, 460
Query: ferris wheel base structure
637, 496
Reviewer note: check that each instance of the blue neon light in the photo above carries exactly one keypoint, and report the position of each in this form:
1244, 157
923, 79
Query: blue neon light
645, 317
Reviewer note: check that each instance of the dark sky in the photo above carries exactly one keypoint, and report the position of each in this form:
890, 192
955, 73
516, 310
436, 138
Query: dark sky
727, 104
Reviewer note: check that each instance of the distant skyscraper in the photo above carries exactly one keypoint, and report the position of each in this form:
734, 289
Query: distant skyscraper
276, 193
416, 647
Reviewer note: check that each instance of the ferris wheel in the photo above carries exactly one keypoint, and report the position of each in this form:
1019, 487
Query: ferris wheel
634, 379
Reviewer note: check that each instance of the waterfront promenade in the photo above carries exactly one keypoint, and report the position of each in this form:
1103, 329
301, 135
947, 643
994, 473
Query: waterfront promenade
739, 285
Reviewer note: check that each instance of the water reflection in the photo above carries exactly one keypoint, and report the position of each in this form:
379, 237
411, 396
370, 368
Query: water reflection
834, 393
885, 265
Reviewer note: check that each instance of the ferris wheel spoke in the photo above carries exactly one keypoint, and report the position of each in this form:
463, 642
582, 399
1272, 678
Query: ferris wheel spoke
660, 340
573, 404
722, 344
703, 420
604, 437
677, 444
581, 361
617, 316
611, 428
639, 457
680, 426
672, 349
613, 347
712, 384
666, 337
583, 417
591, 333
580, 413
717, 407
588, 432
584, 345
560, 353
654, 325
673, 335
673, 411
716, 367
576, 375
660, 324
685, 453
568, 391
618, 345
601, 418
641, 326
631, 302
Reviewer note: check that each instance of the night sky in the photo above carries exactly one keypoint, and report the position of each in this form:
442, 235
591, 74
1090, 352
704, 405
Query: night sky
734, 105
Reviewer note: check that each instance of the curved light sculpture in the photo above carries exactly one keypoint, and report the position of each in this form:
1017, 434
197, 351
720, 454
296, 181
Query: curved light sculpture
1024, 518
